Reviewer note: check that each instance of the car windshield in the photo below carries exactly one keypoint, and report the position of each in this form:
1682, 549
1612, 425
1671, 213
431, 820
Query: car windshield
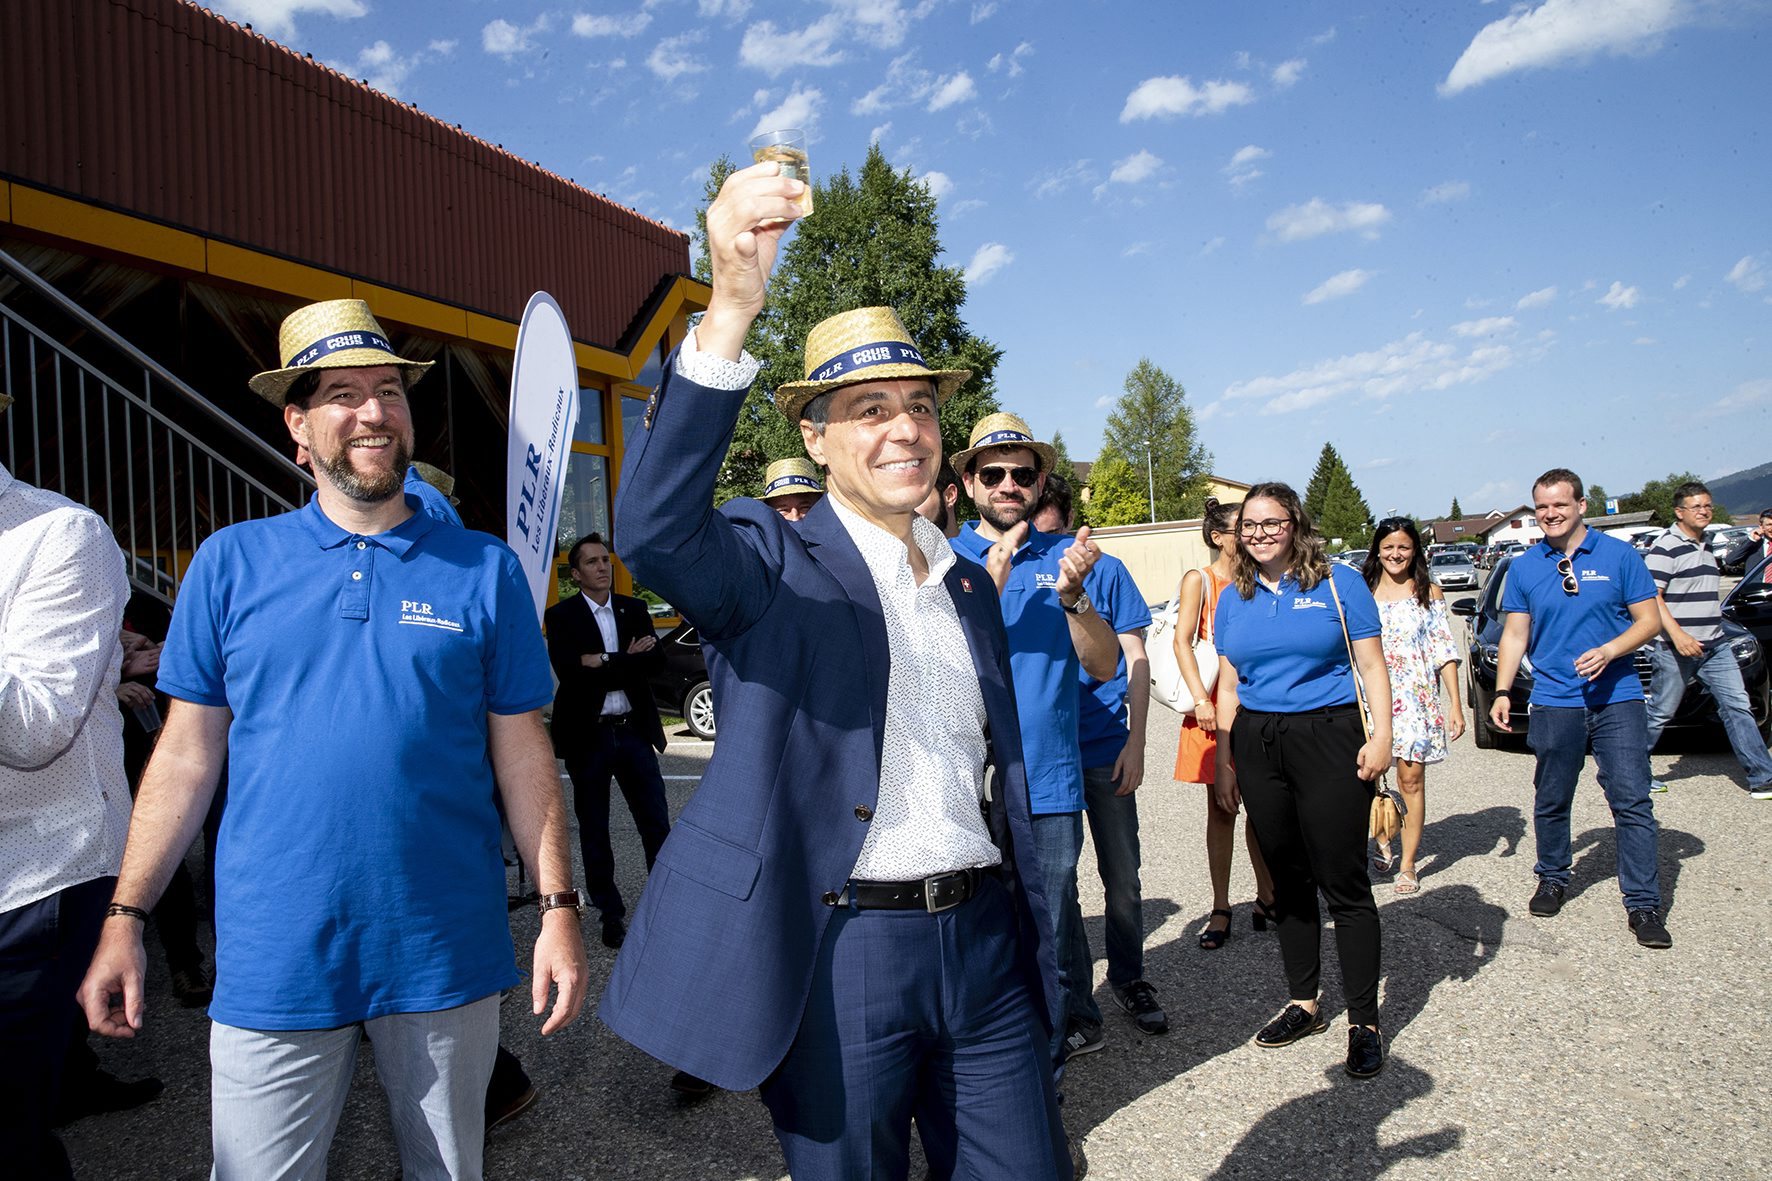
1450, 560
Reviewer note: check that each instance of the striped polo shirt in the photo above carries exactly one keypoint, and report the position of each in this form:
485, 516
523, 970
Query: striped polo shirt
1688, 578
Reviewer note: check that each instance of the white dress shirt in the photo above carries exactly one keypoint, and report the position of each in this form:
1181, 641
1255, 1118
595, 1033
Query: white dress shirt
64, 799
615, 701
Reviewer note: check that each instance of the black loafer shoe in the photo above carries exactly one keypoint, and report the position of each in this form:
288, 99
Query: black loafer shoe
614, 931
1547, 900
690, 1086
1365, 1052
509, 1093
1649, 929
1289, 1026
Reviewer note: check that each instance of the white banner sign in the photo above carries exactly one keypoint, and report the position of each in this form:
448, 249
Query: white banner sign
544, 413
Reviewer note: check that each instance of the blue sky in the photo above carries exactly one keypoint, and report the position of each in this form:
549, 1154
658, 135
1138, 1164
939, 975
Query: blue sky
1462, 241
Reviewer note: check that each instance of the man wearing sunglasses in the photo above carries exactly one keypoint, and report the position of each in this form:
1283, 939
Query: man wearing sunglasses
1578, 603
1053, 630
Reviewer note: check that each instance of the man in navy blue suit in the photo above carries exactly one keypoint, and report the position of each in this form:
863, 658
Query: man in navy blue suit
847, 913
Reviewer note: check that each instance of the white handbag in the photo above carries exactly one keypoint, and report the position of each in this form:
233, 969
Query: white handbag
1168, 686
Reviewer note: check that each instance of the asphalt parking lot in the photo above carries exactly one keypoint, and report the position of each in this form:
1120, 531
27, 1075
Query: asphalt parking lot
1519, 1046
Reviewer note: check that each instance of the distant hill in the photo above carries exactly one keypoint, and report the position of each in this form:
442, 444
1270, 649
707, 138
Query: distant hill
1745, 493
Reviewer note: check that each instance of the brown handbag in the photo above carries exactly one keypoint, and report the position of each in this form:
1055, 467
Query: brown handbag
1388, 809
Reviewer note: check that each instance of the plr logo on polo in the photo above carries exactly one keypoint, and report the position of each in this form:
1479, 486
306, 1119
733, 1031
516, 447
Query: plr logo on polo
421, 614
1302, 604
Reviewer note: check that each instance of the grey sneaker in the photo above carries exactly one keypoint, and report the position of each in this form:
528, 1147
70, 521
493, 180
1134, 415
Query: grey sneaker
1140, 1000
1083, 1039
1657, 787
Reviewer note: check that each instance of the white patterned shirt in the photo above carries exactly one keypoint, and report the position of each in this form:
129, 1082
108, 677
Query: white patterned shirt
64, 799
926, 819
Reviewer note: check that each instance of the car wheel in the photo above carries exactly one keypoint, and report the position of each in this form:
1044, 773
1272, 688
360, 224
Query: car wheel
698, 710
1481, 734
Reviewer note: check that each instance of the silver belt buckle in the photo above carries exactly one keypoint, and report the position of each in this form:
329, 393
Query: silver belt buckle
929, 890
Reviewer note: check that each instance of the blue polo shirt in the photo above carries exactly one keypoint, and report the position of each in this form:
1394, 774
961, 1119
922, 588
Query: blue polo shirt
358, 870
1044, 665
1103, 723
1286, 645
1612, 576
431, 498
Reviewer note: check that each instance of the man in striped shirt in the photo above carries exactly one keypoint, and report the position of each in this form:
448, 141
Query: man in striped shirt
1686, 583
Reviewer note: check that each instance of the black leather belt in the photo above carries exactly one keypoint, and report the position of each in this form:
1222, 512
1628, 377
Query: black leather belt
614, 719
943, 891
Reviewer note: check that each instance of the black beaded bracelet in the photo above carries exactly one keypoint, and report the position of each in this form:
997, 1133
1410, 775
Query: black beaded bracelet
117, 909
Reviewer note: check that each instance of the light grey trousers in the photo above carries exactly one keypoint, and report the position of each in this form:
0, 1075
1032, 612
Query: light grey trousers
276, 1095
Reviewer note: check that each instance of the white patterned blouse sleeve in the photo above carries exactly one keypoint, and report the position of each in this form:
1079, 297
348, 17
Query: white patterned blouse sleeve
1442, 648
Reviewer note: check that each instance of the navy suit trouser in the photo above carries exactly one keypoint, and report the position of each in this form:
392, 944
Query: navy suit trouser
914, 1014
623, 753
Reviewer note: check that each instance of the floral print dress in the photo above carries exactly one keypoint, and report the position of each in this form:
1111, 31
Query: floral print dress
1417, 644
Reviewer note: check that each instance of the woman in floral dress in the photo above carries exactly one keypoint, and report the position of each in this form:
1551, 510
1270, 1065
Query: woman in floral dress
1422, 658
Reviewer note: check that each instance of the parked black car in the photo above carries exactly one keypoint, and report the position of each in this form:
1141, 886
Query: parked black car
1747, 626
680, 686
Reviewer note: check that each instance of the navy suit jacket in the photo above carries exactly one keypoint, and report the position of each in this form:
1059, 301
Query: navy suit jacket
573, 633
715, 972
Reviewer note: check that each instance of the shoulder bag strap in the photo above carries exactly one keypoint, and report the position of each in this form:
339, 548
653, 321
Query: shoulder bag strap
1352, 666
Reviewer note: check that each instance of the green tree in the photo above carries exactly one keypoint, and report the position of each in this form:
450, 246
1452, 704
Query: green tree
1335, 503
1117, 492
1062, 459
1457, 512
874, 241
1596, 499
1153, 412
1657, 497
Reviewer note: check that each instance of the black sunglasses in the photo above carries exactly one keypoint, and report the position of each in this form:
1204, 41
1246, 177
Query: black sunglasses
990, 477
1392, 524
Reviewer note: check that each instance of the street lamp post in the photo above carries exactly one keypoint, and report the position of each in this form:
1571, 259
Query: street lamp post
1151, 478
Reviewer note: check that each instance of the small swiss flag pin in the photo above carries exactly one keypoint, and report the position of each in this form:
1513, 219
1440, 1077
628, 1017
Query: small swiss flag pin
966, 585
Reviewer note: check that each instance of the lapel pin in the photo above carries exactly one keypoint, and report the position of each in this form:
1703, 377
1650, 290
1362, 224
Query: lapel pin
966, 585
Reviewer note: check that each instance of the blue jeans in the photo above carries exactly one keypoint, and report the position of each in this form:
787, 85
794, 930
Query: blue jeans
1717, 667
1058, 842
1561, 737
1113, 823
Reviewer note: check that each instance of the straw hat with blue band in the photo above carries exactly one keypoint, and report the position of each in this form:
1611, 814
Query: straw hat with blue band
786, 477
866, 344
1003, 430
332, 334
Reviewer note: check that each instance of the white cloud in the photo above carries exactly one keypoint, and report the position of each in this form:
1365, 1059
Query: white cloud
732, 10
1288, 72
1011, 61
879, 133
1536, 299
387, 70
1105, 401
1326, 36
1452, 190
1488, 326
940, 184
632, 25
503, 39
1748, 275
983, 12
1055, 181
1137, 248
1316, 217
957, 88
798, 109
987, 261
1338, 285
1681, 282
1745, 395
764, 48
1139, 166
670, 59
1247, 154
1559, 31
1413, 364
961, 208
1165, 98
1646, 340
1210, 246
1618, 296
276, 18
443, 48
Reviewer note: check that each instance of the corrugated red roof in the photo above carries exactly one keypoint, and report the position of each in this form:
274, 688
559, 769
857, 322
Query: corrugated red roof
162, 109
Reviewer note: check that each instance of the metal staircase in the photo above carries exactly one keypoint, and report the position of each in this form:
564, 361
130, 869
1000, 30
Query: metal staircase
101, 422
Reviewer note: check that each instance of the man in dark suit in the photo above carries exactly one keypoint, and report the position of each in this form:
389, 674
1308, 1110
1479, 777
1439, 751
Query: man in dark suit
605, 722
848, 912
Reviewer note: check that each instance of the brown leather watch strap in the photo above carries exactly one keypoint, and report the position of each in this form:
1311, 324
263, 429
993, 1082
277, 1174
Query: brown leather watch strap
563, 899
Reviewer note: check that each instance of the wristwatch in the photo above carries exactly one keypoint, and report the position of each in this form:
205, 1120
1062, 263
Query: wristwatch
562, 900
1078, 607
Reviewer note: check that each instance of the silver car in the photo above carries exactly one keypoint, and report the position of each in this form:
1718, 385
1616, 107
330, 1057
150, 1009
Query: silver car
1452, 571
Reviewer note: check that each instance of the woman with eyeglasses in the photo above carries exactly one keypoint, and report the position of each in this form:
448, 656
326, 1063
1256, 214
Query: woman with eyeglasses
1292, 747
1196, 759
1422, 658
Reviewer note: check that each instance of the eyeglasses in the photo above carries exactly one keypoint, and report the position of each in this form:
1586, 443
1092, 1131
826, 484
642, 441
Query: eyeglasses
1269, 528
1567, 570
1024, 477
1695, 508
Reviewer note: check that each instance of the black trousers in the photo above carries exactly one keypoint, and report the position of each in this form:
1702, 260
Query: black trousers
1311, 812
623, 753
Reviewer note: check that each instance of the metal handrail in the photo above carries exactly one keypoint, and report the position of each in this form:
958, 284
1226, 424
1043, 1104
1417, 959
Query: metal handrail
93, 324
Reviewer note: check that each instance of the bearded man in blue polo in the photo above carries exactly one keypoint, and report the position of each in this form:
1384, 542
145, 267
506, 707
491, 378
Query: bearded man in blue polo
373, 679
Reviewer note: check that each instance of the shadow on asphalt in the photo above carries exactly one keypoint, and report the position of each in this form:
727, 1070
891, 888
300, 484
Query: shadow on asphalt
1445, 934
1451, 839
1339, 1124
1596, 860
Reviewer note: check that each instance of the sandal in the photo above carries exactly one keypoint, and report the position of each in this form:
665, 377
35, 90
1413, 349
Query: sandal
1407, 883
1212, 938
1382, 861
1262, 914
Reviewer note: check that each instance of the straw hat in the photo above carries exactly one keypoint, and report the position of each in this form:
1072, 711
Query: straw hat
1003, 430
786, 477
866, 344
332, 334
437, 478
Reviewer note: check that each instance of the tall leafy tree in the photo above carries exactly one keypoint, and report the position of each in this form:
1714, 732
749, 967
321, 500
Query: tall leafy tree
1117, 492
1152, 425
1657, 497
1457, 512
1335, 502
874, 240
